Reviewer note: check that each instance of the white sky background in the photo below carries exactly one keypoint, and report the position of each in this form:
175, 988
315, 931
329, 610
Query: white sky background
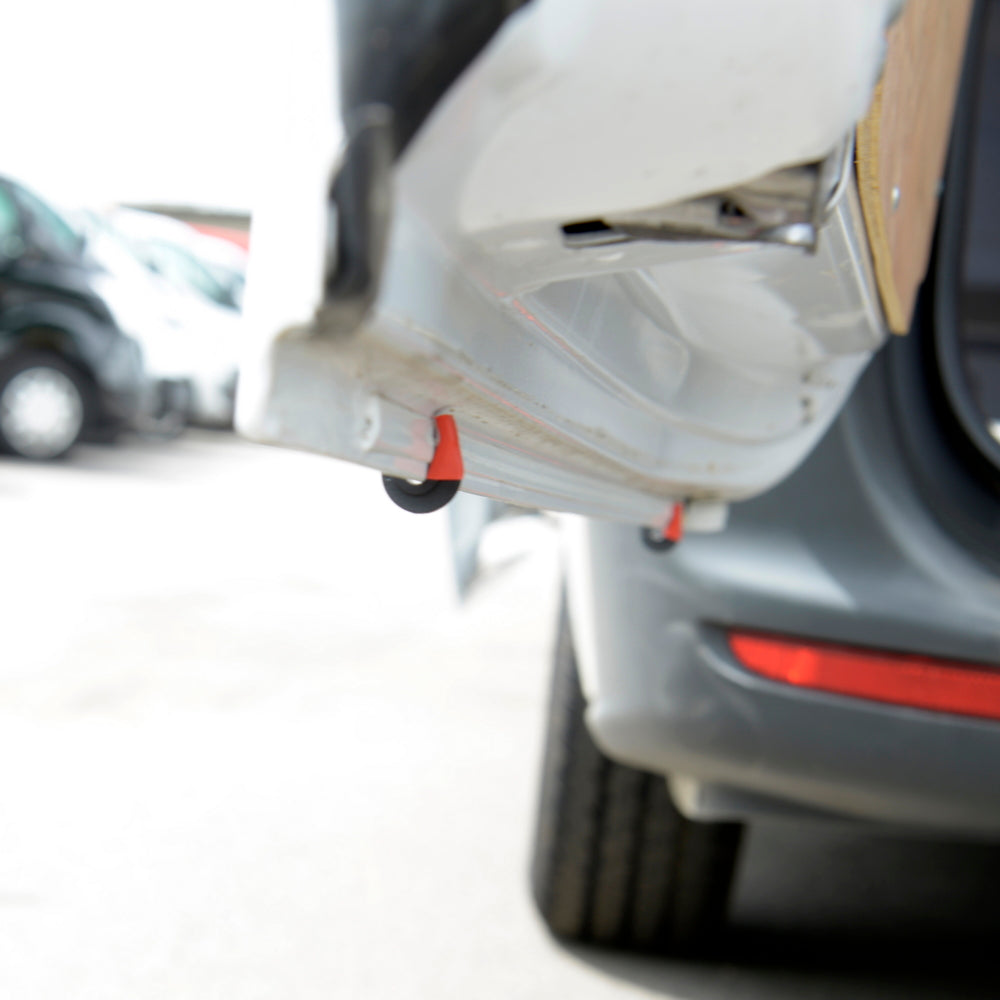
180, 102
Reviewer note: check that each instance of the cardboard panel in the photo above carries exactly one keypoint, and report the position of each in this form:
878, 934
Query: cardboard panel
902, 146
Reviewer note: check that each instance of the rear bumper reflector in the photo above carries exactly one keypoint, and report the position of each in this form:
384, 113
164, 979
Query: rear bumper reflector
895, 678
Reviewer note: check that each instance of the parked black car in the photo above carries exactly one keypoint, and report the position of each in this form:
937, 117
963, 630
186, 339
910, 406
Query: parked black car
67, 369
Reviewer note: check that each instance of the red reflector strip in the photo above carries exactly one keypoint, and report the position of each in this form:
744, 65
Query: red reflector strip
895, 678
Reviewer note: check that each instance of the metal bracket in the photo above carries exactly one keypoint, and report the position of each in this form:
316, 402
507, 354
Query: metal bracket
787, 206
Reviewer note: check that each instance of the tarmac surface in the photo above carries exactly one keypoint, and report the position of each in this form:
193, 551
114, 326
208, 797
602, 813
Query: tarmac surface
252, 746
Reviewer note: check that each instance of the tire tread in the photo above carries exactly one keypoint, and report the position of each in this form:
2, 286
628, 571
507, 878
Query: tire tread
614, 862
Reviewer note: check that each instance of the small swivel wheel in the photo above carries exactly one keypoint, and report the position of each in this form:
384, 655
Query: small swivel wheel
655, 540
664, 540
420, 498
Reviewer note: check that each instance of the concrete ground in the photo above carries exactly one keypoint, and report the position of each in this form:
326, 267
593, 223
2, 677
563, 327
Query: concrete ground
252, 747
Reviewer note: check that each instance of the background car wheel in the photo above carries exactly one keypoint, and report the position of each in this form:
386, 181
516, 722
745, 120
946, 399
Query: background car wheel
614, 862
43, 406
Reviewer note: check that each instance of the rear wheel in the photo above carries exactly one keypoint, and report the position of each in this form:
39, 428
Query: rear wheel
615, 863
43, 406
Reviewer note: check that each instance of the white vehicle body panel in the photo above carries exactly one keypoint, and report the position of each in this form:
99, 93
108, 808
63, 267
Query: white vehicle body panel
614, 380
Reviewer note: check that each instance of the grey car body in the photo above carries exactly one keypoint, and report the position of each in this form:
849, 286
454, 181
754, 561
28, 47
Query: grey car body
847, 550
887, 538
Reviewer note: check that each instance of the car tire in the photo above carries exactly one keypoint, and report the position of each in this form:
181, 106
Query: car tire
45, 405
614, 862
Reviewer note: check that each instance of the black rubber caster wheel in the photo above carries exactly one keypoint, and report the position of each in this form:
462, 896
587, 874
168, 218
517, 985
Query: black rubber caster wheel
420, 498
654, 540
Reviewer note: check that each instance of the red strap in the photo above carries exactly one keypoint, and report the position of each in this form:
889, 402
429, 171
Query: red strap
447, 460
674, 531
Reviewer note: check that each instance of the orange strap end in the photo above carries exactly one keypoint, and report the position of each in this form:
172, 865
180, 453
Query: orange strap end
674, 531
447, 460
